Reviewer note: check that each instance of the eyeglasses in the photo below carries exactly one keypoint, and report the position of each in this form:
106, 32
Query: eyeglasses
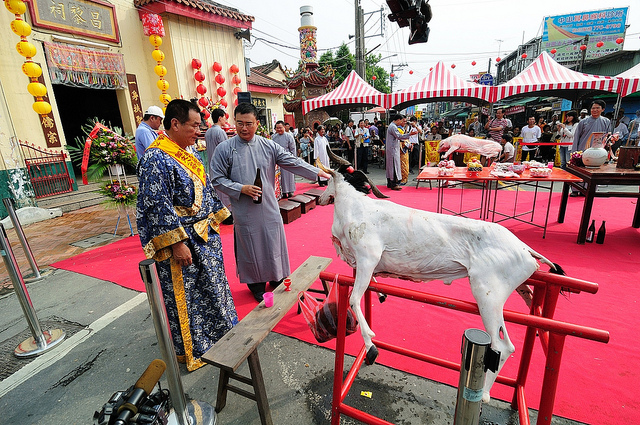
245, 124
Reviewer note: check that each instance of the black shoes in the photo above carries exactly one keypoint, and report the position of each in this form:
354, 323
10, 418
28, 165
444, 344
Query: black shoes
257, 290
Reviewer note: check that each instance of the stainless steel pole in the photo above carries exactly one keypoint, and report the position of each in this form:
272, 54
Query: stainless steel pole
185, 413
9, 204
477, 357
40, 342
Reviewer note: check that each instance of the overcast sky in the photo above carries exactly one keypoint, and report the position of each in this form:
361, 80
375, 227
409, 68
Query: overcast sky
462, 31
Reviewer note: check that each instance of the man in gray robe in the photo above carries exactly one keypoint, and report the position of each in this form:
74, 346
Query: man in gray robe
260, 243
213, 137
392, 152
589, 125
288, 143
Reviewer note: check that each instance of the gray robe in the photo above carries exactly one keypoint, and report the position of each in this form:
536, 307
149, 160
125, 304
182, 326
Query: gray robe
213, 137
392, 151
288, 143
585, 128
260, 243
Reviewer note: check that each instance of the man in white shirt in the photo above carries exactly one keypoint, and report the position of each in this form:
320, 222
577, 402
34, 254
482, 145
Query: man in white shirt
349, 138
530, 134
414, 155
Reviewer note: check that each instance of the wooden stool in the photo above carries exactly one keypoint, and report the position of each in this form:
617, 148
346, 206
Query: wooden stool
241, 343
314, 193
289, 210
306, 202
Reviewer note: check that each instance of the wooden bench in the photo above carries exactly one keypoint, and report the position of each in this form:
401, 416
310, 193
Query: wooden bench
306, 202
314, 193
289, 211
241, 343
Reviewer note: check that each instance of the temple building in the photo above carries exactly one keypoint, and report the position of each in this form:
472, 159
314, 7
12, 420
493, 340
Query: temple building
96, 61
308, 81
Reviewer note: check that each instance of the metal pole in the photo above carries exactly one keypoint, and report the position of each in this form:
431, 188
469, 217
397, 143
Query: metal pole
41, 341
477, 357
185, 413
9, 204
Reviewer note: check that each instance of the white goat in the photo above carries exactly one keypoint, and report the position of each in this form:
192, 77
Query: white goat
381, 238
464, 143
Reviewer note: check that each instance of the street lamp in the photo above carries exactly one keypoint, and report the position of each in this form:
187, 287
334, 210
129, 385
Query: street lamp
392, 75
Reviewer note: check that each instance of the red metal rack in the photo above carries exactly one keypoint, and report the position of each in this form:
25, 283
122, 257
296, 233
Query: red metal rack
552, 333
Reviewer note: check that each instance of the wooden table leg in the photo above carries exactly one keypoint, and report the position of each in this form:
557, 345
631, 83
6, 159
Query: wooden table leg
563, 202
223, 381
636, 216
586, 212
259, 388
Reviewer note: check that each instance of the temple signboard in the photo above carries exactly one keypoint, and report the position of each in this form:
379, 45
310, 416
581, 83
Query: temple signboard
94, 19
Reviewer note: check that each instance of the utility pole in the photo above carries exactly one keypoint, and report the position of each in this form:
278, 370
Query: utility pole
360, 53
397, 68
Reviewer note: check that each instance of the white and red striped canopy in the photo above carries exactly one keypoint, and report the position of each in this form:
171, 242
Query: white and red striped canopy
545, 74
353, 91
440, 83
631, 80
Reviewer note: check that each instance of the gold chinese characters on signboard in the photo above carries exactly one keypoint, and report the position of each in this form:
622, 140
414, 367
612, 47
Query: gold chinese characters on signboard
95, 19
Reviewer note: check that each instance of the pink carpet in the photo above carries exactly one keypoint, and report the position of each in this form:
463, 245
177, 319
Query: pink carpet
597, 382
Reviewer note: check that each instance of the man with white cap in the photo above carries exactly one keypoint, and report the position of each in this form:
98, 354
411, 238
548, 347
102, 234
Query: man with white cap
583, 114
146, 132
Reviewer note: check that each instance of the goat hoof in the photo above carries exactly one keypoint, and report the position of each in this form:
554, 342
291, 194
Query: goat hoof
382, 298
372, 355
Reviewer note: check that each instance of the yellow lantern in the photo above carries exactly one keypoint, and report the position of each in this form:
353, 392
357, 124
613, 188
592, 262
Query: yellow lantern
26, 49
157, 55
165, 98
31, 69
20, 27
17, 7
163, 85
37, 89
155, 40
41, 107
160, 70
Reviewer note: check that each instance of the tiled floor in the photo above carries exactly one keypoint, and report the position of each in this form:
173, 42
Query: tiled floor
51, 240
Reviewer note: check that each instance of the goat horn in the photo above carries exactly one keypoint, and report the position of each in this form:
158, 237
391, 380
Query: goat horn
319, 165
335, 158
374, 188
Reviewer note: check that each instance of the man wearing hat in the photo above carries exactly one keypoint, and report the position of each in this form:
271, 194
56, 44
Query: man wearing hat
146, 132
583, 114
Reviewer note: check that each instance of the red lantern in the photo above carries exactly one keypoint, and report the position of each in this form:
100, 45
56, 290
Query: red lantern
196, 64
583, 47
206, 114
619, 40
236, 90
235, 102
599, 44
199, 76
553, 51
221, 91
392, 75
226, 115
373, 78
223, 103
216, 67
234, 69
236, 80
498, 59
410, 72
473, 63
430, 69
453, 65
201, 89
220, 79
524, 56
203, 101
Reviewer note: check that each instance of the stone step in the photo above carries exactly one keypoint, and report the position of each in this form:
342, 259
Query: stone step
86, 196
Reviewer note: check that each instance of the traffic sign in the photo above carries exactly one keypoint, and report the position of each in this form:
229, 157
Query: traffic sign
486, 79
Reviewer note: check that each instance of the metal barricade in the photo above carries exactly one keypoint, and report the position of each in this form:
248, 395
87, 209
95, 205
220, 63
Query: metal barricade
40, 341
195, 412
9, 204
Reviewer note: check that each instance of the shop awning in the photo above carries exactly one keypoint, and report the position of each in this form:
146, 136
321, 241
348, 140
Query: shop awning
352, 92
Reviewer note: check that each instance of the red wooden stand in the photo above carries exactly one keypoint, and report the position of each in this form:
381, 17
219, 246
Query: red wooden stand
552, 333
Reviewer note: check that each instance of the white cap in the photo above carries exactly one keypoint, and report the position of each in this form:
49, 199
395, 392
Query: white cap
154, 110
584, 111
